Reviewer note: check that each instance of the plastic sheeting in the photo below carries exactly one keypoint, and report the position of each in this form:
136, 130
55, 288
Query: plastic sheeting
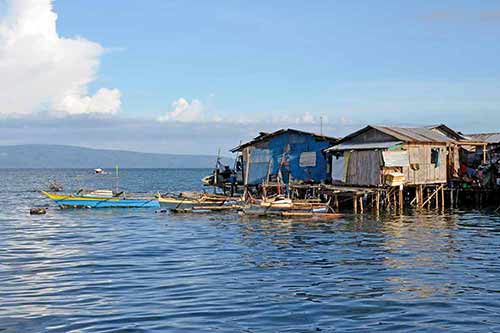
396, 158
338, 169
260, 163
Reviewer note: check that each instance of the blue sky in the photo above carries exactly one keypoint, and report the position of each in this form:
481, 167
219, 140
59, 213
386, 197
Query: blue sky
352, 62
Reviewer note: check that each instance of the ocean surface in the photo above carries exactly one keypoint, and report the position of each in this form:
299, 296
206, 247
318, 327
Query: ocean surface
139, 271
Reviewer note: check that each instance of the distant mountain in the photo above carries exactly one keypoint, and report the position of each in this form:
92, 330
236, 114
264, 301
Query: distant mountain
58, 156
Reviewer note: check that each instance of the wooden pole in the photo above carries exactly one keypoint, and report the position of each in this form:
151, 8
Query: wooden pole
442, 196
427, 192
377, 201
355, 203
431, 196
246, 152
395, 200
437, 198
361, 210
421, 196
417, 195
401, 199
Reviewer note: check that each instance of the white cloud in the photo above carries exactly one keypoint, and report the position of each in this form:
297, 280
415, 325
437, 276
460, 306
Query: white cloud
185, 112
302, 119
40, 69
105, 101
195, 111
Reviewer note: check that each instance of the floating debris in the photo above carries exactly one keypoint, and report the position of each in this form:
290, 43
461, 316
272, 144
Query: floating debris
38, 211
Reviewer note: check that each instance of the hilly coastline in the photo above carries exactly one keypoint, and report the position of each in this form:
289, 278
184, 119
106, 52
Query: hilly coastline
34, 156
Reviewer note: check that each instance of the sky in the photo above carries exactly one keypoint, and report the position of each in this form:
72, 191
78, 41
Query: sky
194, 76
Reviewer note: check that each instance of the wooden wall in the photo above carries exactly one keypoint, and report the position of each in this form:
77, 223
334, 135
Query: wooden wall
427, 173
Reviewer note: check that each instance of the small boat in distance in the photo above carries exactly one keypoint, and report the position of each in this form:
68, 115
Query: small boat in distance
102, 199
99, 171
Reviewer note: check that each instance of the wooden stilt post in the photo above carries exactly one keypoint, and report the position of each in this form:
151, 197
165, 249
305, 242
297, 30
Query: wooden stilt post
377, 201
401, 198
395, 200
361, 209
355, 203
452, 199
442, 196
437, 197
422, 188
428, 195
419, 196
336, 202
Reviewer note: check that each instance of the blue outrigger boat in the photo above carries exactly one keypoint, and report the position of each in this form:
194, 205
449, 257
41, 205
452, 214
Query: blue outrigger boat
102, 199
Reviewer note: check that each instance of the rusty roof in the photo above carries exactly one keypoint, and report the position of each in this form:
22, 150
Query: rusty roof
414, 134
486, 137
405, 134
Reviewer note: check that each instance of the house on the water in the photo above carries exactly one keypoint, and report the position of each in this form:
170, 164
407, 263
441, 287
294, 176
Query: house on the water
389, 155
286, 156
463, 150
492, 145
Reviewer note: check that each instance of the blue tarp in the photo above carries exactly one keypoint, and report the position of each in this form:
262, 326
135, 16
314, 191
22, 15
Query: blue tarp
285, 153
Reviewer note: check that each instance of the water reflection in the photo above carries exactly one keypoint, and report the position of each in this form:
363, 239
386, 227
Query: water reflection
126, 270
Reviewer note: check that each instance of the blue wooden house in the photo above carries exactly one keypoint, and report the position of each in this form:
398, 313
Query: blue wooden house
288, 155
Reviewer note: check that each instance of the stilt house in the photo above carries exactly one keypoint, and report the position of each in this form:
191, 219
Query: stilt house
462, 150
492, 144
287, 155
388, 155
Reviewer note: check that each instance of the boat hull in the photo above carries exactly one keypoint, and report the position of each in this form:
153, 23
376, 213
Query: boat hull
174, 203
187, 203
72, 201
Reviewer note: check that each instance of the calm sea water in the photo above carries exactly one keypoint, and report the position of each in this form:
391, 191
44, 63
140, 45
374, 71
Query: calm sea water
141, 271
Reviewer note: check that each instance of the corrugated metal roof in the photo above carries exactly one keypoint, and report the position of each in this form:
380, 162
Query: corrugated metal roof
266, 136
449, 132
414, 134
364, 146
486, 137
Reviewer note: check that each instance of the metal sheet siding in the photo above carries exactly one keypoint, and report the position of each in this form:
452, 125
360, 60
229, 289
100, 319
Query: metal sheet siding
284, 154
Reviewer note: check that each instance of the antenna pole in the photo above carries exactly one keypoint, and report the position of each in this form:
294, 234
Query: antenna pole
321, 125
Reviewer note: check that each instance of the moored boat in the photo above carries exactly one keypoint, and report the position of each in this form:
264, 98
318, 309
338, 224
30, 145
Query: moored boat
285, 207
102, 199
188, 200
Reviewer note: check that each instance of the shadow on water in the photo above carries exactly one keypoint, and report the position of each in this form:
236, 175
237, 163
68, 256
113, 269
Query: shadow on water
137, 271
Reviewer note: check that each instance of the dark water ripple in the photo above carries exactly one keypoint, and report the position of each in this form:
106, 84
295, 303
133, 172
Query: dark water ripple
137, 271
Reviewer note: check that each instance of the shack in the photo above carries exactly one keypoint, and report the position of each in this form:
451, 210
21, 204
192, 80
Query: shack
488, 172
285, 156
492, 144
463, 151
378, 156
